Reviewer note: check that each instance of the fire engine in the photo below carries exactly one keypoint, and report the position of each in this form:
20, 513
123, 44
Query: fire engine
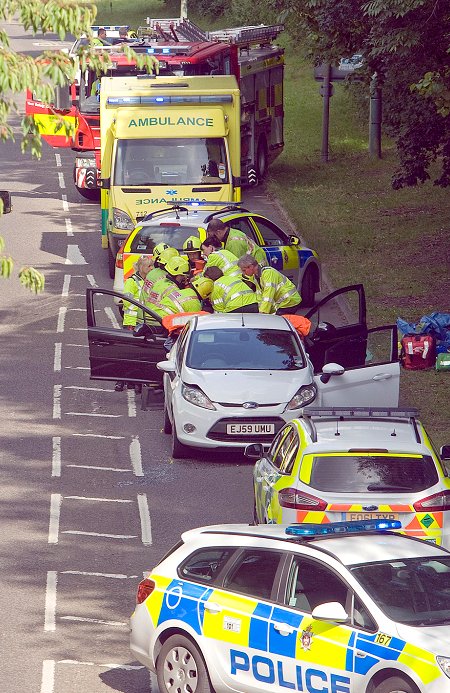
183, 50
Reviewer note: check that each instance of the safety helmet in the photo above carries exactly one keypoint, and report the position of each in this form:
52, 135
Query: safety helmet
202, 285
158, 249
177, 265
166, 255
192, 244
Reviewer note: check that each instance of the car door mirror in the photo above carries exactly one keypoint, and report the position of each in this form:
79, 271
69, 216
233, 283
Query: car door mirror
330, 369
445, 452
294, 240
330, 611
254, 451
166, 366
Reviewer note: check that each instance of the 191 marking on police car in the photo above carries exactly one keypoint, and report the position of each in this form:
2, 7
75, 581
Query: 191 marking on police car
232, 624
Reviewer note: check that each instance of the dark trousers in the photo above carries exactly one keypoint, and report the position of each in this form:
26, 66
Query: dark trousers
289, 311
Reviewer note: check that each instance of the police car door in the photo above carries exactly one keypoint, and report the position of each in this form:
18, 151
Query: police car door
116, 353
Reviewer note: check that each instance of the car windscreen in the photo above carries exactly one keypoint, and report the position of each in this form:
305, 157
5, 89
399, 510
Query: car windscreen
372, 473
171, 233
414, 591
171, 161
243, 348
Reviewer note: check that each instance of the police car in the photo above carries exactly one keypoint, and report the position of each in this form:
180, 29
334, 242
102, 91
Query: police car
347, 464
342, 608
173, 226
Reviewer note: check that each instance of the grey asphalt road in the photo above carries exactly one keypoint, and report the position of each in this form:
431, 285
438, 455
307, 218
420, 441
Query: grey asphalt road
90, 497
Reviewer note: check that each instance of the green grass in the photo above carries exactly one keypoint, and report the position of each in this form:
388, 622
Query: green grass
397, 243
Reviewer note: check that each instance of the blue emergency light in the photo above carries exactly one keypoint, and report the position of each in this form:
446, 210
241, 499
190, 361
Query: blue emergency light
316, 530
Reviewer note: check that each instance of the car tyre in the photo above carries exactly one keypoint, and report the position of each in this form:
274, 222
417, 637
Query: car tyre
179, 451
395, 684
262, 158
89, 193
307, 289
167, 426
111, 264
180, 667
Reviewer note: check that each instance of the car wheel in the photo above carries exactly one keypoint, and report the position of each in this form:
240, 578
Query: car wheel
167, 426
89, 193
262, 158
395, 684
179, 451
307, 289
111, 263
180, 667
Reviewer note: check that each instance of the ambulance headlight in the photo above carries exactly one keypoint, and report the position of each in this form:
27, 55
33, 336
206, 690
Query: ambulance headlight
444, 663
304, 396
195, 396
122, 220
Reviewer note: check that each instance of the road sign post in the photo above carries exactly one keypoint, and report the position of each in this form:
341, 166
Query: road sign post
375, 117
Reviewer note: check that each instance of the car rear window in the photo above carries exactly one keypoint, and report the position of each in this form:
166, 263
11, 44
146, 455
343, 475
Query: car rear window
250, 349
149, 236
372, 473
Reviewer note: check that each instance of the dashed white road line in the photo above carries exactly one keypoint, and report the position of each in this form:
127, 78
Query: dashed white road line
57, 401
55, 511
48, 676
84, 619
50, 601
114, 576
99, 469
99, 500
79, 346
62, 182
66, 284
136, 456
98, 435
69, 229
74, 256
104, 416
131, 400
144, 513
77, 368
99, 534
91, 280
61, 319
58, 159
109, 312
56, 456
90, 389
57, 358
65, 204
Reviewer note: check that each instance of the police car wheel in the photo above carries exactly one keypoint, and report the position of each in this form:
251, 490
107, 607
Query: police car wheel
167, 426
180, 667
307, 288
395, 684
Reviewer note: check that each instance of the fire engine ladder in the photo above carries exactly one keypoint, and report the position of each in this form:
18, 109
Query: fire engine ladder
241, 36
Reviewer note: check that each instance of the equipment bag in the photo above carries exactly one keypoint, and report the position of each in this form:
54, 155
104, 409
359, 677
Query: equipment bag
418, 352
443, 362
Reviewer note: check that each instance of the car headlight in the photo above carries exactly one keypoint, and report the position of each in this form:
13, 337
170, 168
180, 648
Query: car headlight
304, 396
444, 663
122, 220
196, 396
85, 162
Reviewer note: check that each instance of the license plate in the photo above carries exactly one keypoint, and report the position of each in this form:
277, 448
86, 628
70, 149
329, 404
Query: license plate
251, 428
371, 516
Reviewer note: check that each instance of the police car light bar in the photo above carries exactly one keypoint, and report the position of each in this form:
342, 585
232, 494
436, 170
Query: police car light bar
156, 100
375, 412
315, 530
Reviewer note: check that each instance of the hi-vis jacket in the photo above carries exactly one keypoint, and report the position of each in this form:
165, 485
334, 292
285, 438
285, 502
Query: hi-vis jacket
230, 293
153, 276
132, 288
224, 260
275, 291
238, 243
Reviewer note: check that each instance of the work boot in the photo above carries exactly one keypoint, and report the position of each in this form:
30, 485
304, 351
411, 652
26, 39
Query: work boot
119, 386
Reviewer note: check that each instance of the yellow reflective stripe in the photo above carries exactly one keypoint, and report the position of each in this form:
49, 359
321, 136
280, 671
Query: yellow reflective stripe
158, 595
423, 663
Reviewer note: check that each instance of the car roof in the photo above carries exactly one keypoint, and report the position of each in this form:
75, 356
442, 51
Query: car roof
223, 321
365, 434
349, 549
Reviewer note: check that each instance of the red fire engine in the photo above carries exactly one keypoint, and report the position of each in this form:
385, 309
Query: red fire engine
182, 49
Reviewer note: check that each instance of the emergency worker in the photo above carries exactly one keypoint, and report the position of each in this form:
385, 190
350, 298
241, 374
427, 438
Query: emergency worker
161, 255
230, 294
123, 35
275, 292
192, 247
180, 297
101, 39
203, 287
237, 242
216, 256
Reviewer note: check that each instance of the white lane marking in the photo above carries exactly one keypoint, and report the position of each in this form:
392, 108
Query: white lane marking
91, 280
126, 667
115, 576
61, 319
81, 310
57, 401
69, 229
100, 469
136, 456
55, 511
105, 416
66, 284
98, 435
56, 456
58, 159
90, 389
65, 204
144, 513
79, 346
131, 399
50, 601
98, 534
57, 358
100, 500
48, 676
79, 329
112, 317
118, 624
74, 256
62, 182
77, 368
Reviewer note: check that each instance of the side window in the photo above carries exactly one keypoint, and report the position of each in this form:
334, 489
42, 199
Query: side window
244, 225
254, 574
361, 617
182, 341
279, 451
311, 584
290, 452
270, 233
204, 565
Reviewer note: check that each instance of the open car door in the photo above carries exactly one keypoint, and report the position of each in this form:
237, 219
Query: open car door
116, 353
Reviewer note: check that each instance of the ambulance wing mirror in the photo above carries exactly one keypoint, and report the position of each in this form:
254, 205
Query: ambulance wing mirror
330, 611
63, 99
294, 240
5, 197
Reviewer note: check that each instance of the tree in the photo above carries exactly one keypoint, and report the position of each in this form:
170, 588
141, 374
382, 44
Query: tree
406, 43
42, 75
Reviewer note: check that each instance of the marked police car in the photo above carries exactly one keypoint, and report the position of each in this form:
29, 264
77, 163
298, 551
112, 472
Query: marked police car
338, 463
173, 226
341, 608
